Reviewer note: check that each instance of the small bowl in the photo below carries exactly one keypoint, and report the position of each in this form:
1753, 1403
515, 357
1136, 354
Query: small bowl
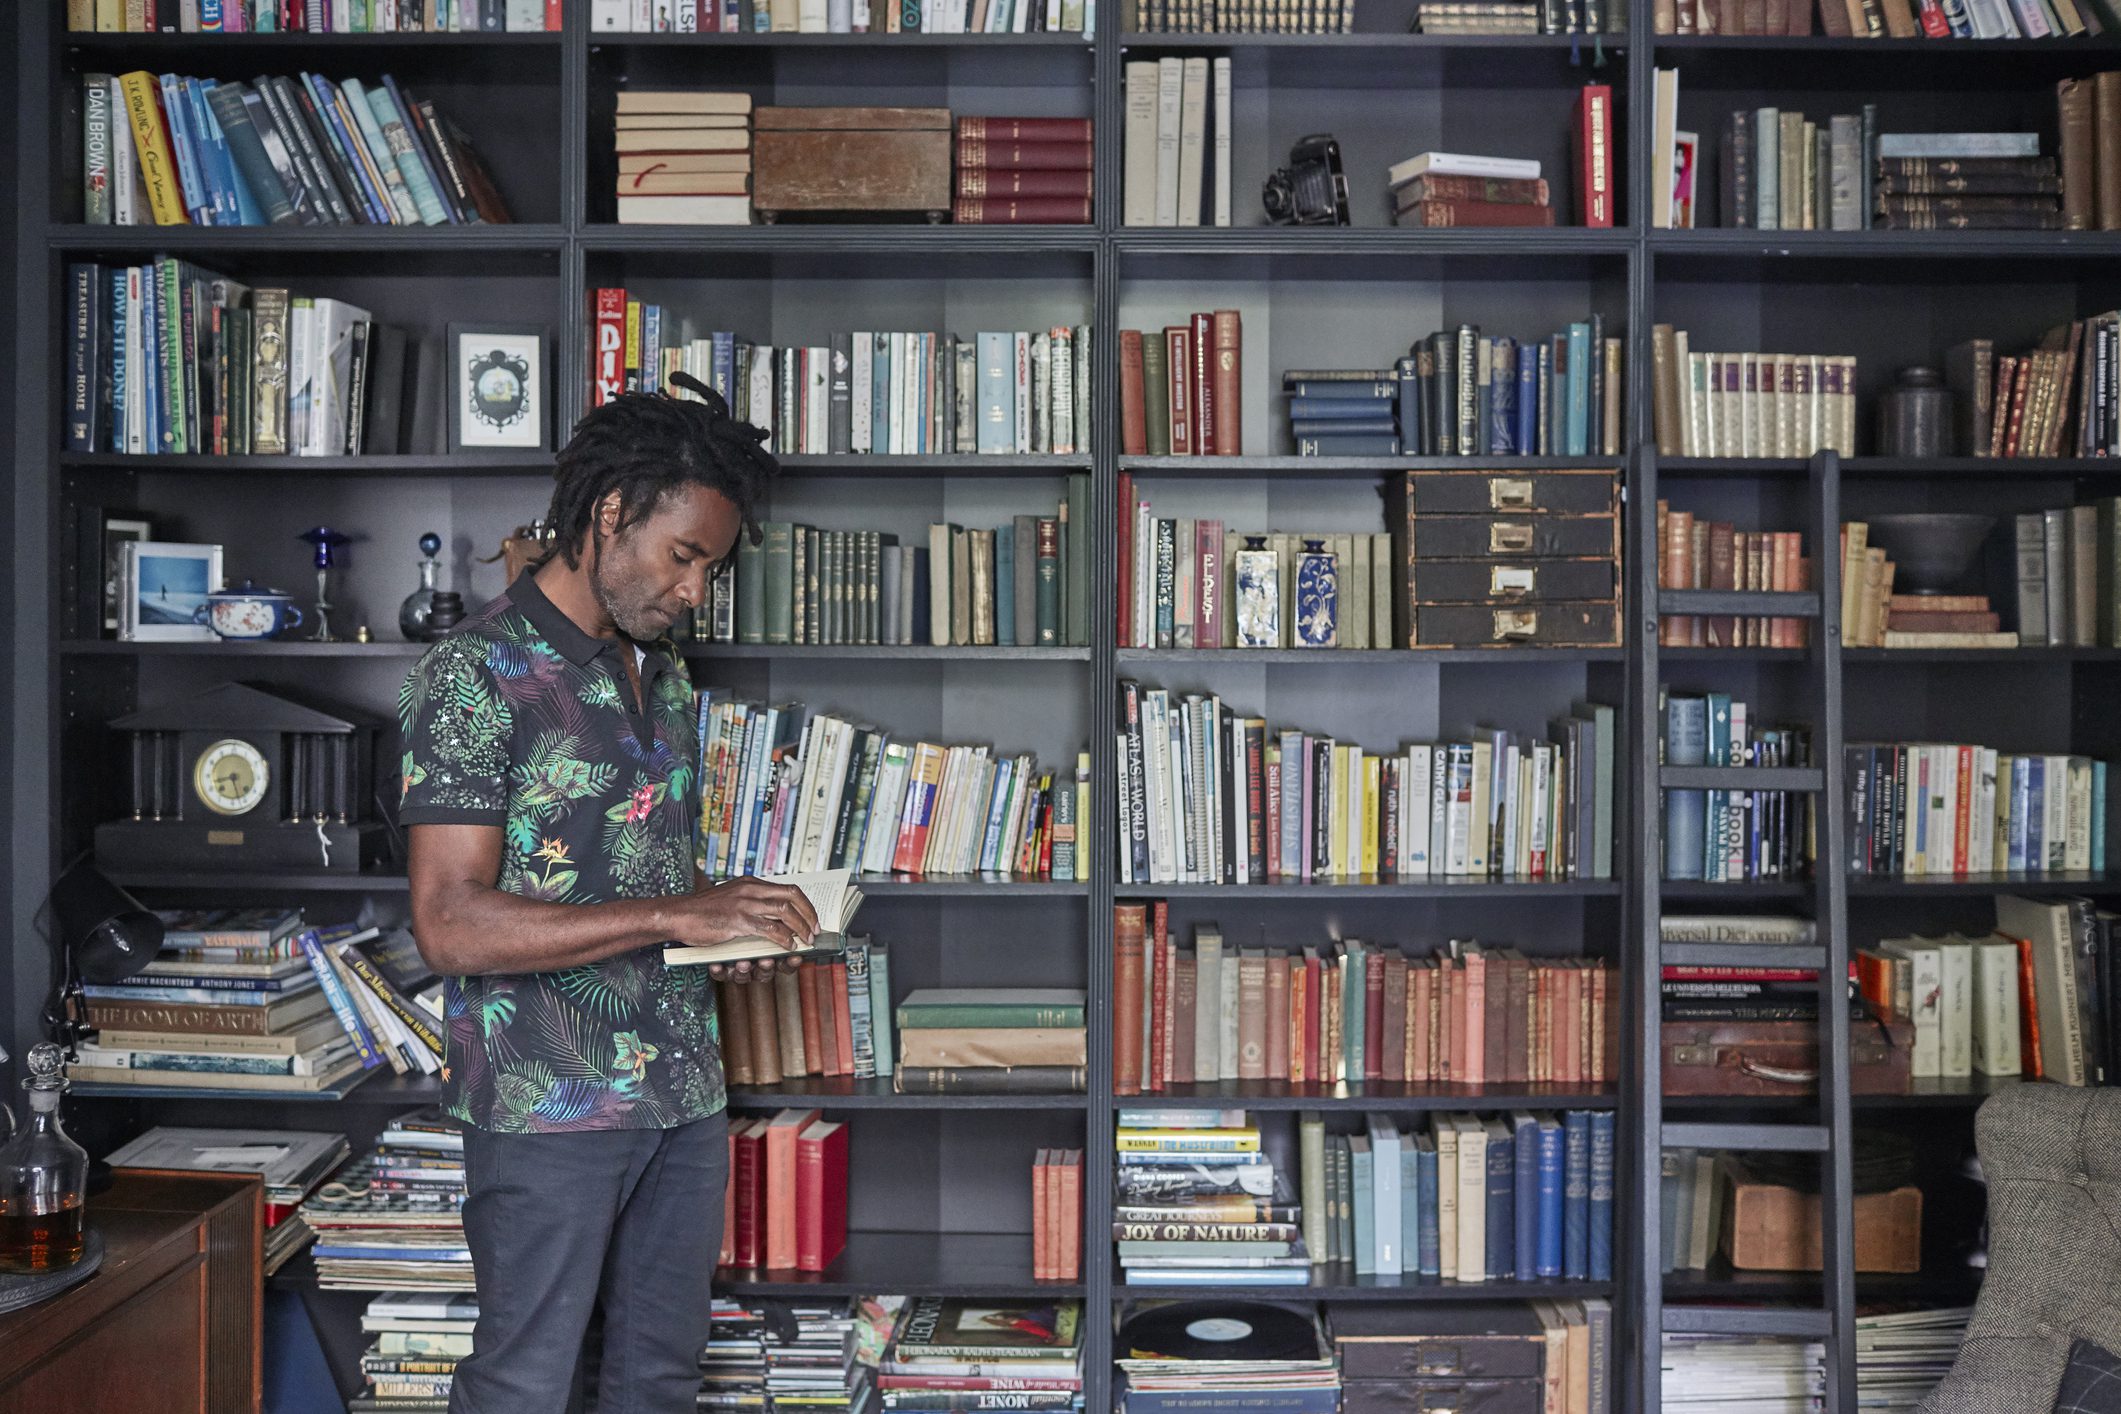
1932, 551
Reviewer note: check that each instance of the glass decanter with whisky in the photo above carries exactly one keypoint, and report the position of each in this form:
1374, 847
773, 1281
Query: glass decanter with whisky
43, 1177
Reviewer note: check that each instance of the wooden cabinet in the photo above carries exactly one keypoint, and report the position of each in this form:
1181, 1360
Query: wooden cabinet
168, 1325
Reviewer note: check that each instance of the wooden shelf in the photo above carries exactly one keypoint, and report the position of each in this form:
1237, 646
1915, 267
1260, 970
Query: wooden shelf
910, 1264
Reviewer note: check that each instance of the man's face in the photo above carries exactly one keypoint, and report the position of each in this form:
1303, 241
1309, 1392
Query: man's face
657, 569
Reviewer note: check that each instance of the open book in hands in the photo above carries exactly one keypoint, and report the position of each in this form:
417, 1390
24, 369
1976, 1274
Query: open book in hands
831, 893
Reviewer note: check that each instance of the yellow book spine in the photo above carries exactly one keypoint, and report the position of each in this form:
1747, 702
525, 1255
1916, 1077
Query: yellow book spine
1372, 790
1337, 835
633, 340
158, 166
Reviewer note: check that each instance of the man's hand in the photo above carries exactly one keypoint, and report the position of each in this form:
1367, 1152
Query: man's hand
744, 908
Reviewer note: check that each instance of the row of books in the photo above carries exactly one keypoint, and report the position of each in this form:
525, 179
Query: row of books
2061, 398
824, 1018
1181, 389
168, 150
1784, 172
844, 17
173, 358
899, 394
1350, 1012
1240, 17
1465, 394
1024, 171
419, 1337
1177, 592
1881, 19
1694, 552
2063, 594
1750, 404
1176, 154
1206, 795
1519, 17
684, 158
1203, 1251
1057, 1215
291, 1163
992, 1040
312, 16
1959, 994
1693, 1185
1723, 836
1922, 810
788, 790
393, 1220
786, 1204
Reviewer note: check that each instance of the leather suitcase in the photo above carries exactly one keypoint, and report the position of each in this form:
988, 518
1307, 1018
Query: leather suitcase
1570, 625
1520, 1396
838, 161
1486, 1340
1749, 1058
1512, 581
1513, 492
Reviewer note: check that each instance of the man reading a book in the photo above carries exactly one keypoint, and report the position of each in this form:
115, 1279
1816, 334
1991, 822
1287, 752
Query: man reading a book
551, 779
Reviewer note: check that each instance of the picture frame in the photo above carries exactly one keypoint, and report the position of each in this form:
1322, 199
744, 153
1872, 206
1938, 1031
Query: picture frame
497, 387
116, 532
162, 583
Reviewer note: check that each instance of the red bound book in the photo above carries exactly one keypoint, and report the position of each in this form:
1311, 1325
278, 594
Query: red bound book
727, 1256
1185, 1011
1133, 415
748, 1145
1159, 1060
1474, 213
1041, 1216
820, 1194
1255, 787
1028, 181
1021, 211
1178, 362
1594, 157
806, 981
1373, 1015
1421, 981
1226, 379
1130, 926
707, 15
1126, 533
842, 1022
1313, 1000
608, 358
1071, 130
1071, 1216
782, 1197
1204, 408
1062, 156
1211, 592
1395, 1018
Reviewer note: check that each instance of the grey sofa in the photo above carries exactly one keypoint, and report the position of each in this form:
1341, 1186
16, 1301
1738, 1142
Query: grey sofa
2052, 1157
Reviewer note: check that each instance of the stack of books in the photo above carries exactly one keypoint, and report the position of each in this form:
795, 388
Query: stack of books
1713, 1374
274, 151
2072, 1025
1743, 992
393, 1219
991, 1040
1181, 389
1205, 795
1278, 1358
1346, 412
1931, 809
1478, 17
1516, 1197
1202, 1252
2061, 398
1237, 17
292, 1162
1873, 616
1974, 181
1024, 171
1177, 148
1465, 189
787, 1203
1057, 1215
1176, 591
821, 1368
684, 158
1723, 836
243, 1012
419, 1338
791, 791
1694, 552
383, 993
825, 1018
946, 1351
1351, 1012
1901, 1355
1750, 404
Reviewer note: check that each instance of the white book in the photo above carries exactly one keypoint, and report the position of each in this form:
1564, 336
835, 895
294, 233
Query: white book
1927, 967
1981, 832
1956, 973
817, 431
124, 174
2055, 798
1138, 206
1446, 1131
1226, 1016
611, 16
1207, 976
758, 396
1460, 164
2046, 926
1222, 140
1664, 138
1414, 803
1023, 391
1126, 812
331, 375
864, 374
1996, 1017
1472, 1198
1384, 1189
301, 366
1192, 138
1170, 93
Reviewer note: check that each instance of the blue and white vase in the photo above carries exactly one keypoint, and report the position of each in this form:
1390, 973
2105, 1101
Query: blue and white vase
1257, 577
1317, 597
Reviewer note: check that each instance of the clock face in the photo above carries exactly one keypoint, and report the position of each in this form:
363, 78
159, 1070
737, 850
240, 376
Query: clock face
231, 777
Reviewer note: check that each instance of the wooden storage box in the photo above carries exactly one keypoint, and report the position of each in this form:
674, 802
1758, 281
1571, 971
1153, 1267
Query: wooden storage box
1469, 1340
1777, 1229
1745, 1058
837, 161
1524, 1396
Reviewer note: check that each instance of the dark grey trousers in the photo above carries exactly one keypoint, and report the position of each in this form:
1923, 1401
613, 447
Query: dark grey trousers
556, 1220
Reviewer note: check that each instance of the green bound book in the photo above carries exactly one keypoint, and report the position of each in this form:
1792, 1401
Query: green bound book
1049, 585
750, 590
778, 553
1156, 393
1002, 1007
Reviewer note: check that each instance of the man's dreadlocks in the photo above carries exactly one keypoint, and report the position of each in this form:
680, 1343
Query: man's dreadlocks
647, 445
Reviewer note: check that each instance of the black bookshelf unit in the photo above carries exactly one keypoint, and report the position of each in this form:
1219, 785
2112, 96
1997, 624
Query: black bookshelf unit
939, 1200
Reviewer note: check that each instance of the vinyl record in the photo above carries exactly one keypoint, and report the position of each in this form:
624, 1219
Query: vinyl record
1218, 1330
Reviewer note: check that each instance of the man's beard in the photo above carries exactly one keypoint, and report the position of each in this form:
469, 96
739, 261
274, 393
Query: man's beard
635, 615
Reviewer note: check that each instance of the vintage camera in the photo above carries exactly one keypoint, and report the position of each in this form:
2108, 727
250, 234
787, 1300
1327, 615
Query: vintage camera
1311, 190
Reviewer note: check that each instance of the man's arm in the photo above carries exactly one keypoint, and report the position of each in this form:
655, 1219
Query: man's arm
466, 926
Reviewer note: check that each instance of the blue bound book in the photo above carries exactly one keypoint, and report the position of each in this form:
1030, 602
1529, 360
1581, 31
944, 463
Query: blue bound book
1410, 403
1502, 405
1409, 1203
1005, 584
1385, 385
1334, 408
1551, 1165
1386, 1240
1575, 1194
1600, 1262
1502, 1207
1379, 421
1364, 1187
2035, 818
1428, 1254
1579, 390
1371, 444
1686, 726
1524, 1158
1528, 399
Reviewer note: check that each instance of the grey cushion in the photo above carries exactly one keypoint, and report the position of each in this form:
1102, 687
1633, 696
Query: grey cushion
2052, 1157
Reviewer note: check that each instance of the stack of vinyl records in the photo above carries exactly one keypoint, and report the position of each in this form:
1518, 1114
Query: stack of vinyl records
1188, 1156
1183, 1355
393, 1219
292, 1162
733, 1361
817, 1369
949, 1353
1902, 1354
419, 1338
1710, 1374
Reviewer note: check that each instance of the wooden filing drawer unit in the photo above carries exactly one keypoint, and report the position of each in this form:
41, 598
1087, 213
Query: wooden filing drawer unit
871, 161
1486, 558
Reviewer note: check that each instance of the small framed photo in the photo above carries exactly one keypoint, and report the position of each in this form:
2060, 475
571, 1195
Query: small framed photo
118, 532
497, 387
162, 589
